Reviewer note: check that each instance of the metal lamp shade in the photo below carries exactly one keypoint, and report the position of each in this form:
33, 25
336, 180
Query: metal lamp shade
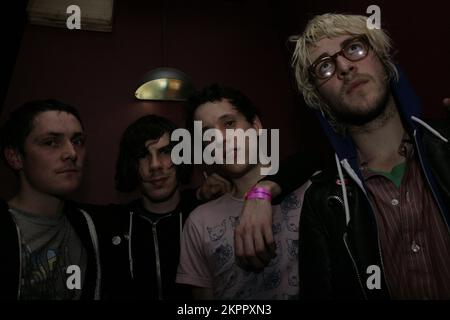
165, 84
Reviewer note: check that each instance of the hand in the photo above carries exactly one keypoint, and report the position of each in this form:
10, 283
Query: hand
446, 102
253, 237
213, 187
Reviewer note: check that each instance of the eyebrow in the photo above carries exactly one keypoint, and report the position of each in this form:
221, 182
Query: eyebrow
167, 147
225, 116
221, 118
342, 45
58, 134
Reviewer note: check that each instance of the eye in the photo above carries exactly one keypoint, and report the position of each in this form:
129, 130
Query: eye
79, 141
229, 123
142, 153
166, 151
325, 69
355, 50
51, 142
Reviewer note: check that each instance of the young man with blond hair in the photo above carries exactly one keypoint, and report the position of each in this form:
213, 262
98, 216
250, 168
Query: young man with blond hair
378, 225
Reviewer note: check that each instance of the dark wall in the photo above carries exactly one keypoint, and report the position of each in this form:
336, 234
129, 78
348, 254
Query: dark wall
233, 42
420, 31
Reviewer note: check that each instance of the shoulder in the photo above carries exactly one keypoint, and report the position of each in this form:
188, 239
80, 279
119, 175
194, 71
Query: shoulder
215, 208
442, 126
3, 206
294, 199
326, 183
6, 220
105, 218
189, 200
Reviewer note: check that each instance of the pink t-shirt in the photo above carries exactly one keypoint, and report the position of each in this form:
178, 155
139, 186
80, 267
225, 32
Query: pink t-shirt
207, 257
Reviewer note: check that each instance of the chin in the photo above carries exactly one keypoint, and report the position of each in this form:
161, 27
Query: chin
236, 170
159, 195
63, 191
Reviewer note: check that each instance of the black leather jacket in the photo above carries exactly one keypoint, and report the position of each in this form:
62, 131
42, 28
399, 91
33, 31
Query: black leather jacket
334, 257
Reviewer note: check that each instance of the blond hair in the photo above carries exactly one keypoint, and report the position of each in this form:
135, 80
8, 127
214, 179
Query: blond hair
329, 26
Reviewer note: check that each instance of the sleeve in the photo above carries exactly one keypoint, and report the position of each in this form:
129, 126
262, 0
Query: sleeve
294, 171
193, 267
314, 254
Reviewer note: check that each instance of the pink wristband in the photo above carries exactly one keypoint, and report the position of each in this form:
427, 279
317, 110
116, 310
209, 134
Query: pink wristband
258, 193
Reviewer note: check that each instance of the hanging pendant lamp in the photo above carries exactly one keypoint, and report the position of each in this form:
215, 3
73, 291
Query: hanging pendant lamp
167, 84
164, 84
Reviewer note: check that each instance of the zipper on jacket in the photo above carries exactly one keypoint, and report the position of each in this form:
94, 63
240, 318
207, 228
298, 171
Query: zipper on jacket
130, 253
355, 266
378, 242
381, 256
94, 239
19, 288
379, 247
157, 257
344, 238
158, 262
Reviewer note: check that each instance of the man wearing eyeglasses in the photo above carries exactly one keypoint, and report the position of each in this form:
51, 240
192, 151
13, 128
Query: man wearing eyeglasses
377, 225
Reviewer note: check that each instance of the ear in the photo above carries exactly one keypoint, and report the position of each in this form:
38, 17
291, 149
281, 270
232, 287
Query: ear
256, 123
14, 158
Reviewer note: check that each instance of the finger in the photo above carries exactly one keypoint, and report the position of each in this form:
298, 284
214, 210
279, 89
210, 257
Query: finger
215, 190
250, 253
262, 251
269, 241
238, 242
209, 192
221, 185
241, 261
228, 186
220, 178
446, 102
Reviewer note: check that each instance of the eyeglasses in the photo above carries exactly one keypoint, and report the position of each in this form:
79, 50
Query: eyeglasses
353, 49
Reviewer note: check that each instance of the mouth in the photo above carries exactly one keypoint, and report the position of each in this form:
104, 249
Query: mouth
355, 85
233, 153
68, 170
157, 180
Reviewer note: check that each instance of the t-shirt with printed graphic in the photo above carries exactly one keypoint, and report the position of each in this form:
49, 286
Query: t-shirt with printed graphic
207, 258
48, 246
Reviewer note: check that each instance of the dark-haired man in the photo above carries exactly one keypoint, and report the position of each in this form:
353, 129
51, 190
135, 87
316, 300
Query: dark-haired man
207, 261
141, 240
49, 246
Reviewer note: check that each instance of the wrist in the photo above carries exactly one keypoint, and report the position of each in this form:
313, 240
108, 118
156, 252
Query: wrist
261, 193
271, 186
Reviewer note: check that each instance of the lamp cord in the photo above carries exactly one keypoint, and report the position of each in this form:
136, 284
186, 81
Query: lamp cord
163, 34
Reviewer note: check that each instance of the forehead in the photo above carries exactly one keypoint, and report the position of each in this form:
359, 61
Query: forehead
156, 144
56, 122
211, 112
328, 46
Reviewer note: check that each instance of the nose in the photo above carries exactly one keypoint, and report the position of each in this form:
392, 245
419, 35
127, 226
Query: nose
344, 67
69, 152
155, 162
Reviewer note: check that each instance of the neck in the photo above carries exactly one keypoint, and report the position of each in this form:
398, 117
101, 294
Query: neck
378, 141
164, 206
34, 202
242, 184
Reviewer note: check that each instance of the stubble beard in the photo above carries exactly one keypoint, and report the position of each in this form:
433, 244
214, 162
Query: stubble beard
356, 120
